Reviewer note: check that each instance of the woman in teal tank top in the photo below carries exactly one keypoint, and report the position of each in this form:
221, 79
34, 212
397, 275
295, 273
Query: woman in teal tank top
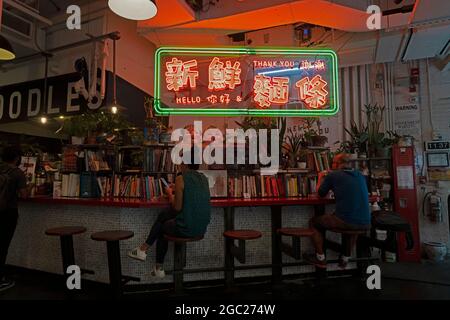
189, 216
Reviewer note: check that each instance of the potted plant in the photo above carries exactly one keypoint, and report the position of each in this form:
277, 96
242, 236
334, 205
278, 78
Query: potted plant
302, 160
388, 140
136, 136
157, 128
292, 146
375, 116
76, 128
90, 126
313, 135
347, 147
359, 137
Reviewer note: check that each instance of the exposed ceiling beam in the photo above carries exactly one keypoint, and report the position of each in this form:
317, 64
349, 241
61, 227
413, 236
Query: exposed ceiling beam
28, 11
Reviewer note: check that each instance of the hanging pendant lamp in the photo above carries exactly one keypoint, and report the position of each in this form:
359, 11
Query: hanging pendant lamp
6, 50
114, 107
134, 9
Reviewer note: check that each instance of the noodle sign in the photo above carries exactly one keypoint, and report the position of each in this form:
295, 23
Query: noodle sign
246, 81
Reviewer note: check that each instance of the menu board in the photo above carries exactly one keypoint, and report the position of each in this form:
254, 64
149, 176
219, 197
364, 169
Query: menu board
246, 81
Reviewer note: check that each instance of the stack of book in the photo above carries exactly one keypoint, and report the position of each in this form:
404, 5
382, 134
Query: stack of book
154, 188
281, 185
127, 186
105, 185
319, 160
158, 160
299, 186
132, 186
70, 186
95, 162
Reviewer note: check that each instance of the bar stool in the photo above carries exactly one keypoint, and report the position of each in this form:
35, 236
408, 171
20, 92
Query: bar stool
65, 235
294, 250
232, 251
345, 247
112, 239
179, 259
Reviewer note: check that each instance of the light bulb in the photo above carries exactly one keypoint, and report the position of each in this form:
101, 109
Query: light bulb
114, 109
43, 120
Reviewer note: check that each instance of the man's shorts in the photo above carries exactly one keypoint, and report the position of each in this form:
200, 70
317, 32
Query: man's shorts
331, 221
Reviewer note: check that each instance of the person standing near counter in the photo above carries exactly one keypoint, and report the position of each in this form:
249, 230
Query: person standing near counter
189, 215
352, 206
13, 184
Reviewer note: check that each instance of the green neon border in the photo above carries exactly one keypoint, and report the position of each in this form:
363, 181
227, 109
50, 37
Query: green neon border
245, 112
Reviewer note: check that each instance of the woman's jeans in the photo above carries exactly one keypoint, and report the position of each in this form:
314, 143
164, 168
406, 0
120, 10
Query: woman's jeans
8, 223
164, 224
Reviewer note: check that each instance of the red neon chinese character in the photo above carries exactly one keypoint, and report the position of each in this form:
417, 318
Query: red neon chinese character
179, 73
279, 92
238, 99
271, 90
212, 99
313, 92
221, 76
261, 89
225, 98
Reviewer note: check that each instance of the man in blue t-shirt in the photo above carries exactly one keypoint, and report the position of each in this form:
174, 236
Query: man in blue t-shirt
352, 206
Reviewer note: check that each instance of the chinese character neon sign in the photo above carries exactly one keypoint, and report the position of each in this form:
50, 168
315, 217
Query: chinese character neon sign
313, 92
179, 73
221, 77
269, 90
246, 81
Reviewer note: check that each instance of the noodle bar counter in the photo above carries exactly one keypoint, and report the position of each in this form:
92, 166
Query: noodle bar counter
32, 249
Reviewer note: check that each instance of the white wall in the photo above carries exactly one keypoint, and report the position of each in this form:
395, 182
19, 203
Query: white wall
135, 54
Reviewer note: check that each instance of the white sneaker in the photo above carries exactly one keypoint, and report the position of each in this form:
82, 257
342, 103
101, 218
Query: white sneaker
137, 254
6, 284
158, 273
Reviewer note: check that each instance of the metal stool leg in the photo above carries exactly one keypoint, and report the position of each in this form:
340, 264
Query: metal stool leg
68, 259
179, 263
229, 263
115, 268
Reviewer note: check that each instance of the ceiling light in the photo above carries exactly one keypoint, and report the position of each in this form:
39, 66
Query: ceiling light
6, 50
134, 9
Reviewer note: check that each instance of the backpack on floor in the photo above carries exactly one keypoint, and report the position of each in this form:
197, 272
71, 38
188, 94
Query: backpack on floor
5, 181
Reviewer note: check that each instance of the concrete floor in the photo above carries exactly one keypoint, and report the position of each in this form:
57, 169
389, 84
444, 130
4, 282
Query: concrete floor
400, 281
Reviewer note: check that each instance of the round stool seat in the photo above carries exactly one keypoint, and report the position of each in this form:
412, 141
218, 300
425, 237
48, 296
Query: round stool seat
112, 235
296, 232
348, 231
65, 231
242, 234
182, 239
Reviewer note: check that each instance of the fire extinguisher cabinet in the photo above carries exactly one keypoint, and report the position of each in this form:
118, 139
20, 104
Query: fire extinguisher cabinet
405, 199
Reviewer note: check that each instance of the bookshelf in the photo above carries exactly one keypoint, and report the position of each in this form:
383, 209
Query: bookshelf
106, 171
287, 182
379, 175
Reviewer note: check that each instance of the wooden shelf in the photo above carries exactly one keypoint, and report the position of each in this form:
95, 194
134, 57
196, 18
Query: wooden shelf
159, 145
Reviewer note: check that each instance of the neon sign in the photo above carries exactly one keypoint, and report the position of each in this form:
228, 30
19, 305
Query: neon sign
246, 81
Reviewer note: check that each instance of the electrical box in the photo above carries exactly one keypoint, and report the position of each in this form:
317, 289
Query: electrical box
437, 159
